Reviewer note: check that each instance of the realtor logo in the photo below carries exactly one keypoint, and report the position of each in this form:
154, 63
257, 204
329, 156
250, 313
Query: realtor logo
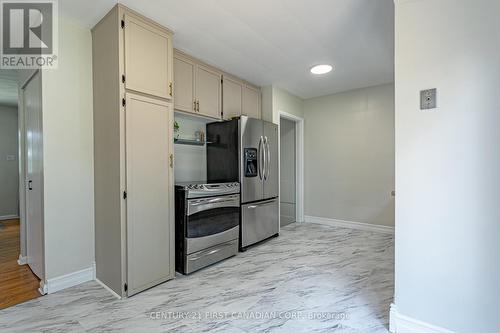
29, 34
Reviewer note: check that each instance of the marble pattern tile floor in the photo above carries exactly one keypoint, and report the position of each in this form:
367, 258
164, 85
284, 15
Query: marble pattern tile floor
313, 278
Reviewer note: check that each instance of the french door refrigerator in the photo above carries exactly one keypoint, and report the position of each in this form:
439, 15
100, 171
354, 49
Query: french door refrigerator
246, 150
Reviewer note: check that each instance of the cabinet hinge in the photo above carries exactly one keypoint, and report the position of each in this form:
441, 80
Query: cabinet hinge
123, 24
125, 287
124, 194
123, 78
124, 102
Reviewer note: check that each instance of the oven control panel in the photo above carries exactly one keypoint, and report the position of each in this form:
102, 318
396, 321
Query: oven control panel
196, 190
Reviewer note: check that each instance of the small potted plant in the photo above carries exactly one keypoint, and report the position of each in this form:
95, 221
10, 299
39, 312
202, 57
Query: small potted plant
176, 130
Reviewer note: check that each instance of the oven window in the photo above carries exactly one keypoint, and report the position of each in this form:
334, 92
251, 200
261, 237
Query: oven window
212, 221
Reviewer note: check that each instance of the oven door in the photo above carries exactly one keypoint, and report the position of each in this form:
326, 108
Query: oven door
212, 221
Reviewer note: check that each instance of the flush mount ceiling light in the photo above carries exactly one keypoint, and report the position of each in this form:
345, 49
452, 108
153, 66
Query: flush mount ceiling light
321, 69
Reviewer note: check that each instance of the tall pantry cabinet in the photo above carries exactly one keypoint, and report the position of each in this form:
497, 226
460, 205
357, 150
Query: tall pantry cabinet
133, 152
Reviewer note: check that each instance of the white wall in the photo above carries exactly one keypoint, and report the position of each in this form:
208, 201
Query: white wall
275, 99
9, 169
448, 164
68, 155
349, 156
287, 171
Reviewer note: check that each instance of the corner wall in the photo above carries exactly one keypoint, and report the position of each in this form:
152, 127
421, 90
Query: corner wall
68, 155
448, 165
349, 156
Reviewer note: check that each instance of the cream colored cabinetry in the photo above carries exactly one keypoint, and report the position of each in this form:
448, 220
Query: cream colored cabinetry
184, 72
232, 95
251, 102
133, 152
197, 87
208, 91
239, 98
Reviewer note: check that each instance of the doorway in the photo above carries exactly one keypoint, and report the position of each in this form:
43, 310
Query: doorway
18, 279
291, 169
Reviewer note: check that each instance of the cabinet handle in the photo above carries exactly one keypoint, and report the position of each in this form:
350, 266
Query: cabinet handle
171, 160
194, 105
170, 87
198, 105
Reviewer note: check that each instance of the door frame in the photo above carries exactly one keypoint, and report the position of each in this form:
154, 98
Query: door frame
299, 161
23, 82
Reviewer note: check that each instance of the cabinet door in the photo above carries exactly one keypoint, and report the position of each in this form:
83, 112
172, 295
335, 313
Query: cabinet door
208, 92
184, 85
251, 102
231, 98
149, 192
148, 58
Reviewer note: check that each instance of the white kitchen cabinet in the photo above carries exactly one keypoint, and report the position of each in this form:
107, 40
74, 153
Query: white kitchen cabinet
197, 87
184, 73
148, 58
251, 102
208, 92
133, 152
232, 94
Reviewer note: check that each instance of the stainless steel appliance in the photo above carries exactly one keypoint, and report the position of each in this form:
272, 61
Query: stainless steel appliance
246, 150
207, 224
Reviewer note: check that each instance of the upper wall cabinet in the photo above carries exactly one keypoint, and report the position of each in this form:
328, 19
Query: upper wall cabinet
208, 92
240, 98
198, 90
197, 87
148, 57
232, 97
251, 102
184, 72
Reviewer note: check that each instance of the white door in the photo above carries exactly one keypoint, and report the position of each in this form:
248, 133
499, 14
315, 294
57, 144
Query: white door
149, 192
34, 174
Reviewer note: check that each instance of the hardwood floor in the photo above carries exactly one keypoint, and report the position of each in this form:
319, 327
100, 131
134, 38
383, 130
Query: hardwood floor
17, 283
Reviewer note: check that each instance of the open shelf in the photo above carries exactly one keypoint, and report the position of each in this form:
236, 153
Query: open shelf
190, 142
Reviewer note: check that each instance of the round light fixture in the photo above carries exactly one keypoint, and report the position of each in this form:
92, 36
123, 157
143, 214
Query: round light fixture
321, 69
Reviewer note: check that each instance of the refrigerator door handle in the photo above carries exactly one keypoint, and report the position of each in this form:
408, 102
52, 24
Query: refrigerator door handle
268, 160
260, 160
265, 154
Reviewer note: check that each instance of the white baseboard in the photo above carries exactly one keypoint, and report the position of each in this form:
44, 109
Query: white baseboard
399, 323
9, 217
53, 285
108, 289
350, 224
22, 260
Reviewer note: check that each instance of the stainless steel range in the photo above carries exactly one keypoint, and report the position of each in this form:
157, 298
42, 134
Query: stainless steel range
207, 218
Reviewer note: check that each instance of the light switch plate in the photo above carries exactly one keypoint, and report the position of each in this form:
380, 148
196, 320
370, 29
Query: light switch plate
428, 99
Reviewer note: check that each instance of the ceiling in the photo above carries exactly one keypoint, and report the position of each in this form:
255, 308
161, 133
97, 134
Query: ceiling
8, 87
275, 41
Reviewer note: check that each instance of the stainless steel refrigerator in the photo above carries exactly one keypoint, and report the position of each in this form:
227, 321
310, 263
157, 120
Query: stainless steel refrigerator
246, 150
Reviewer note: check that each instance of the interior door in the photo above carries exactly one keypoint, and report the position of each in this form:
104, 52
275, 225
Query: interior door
184, 85
231, 98
32, 101
251, 102
251, 143
208, 92
271, 174
149, 192
147, 54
